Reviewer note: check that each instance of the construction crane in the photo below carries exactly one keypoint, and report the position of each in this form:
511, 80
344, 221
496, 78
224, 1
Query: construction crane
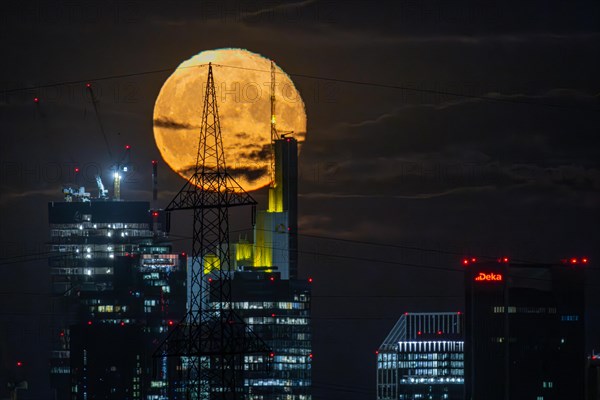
211, 341
120, 166
102, 193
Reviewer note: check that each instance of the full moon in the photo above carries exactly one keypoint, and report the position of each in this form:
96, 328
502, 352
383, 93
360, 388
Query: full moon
242, 83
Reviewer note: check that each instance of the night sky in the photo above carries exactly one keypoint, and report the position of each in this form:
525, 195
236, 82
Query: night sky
495, 153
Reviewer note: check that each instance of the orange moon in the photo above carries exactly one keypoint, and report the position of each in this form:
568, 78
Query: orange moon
242, 83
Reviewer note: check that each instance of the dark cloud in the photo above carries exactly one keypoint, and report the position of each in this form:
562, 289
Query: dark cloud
165, 122
251, 174
264, 154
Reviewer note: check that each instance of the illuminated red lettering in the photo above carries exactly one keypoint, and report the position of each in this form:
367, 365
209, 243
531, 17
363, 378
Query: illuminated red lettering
489, 277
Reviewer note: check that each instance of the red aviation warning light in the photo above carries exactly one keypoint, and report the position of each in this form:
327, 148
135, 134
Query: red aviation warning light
575, 260
88, 85
36, 99
467, 261
19, 363
310, 280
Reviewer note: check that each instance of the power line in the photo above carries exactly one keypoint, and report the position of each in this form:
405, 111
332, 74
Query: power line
96, 79
488, 98
316, 253
417, 90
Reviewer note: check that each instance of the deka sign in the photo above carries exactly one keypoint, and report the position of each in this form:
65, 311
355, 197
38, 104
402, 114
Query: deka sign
489, 277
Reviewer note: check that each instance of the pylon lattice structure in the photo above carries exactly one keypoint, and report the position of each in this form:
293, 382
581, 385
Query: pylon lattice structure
211, 341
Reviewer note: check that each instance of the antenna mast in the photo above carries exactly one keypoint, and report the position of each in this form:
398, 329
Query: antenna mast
274, 135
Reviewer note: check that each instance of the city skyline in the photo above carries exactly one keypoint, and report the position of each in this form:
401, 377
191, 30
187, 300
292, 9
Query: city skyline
434, 132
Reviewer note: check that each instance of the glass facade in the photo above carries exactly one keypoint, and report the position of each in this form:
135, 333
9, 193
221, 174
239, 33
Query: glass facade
278, 311
422, 358
117, 290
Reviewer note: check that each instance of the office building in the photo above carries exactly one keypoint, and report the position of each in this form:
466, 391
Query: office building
278, 311
422, 358
117, 288
524, 330
267, 293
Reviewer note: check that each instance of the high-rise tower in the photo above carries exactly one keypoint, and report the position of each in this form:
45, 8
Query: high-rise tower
524, 326
117, 288
266, 290
275, 236
268, 294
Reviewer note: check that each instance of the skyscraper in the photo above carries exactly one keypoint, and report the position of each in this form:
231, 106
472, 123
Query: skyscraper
117, 288
524, 330
422, 358
268, 295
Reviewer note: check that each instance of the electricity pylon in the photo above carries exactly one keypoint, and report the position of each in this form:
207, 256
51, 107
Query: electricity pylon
212, 340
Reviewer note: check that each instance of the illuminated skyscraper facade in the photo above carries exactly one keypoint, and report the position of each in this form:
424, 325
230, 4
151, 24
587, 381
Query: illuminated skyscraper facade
422, 358
117, 288
524, 330
268, 295
278, 311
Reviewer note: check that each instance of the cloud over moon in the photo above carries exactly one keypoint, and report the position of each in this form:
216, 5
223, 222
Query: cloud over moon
165, 122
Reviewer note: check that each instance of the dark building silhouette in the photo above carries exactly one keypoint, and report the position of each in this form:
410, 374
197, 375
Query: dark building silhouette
422, 358
524, 330
117, 289
592, 378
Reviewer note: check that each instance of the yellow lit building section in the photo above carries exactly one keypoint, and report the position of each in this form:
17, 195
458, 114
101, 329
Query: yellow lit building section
275, 198
243, 251
263, 242
211, 263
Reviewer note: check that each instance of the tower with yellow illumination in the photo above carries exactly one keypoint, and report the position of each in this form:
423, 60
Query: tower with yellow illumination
267, 293
275, 241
